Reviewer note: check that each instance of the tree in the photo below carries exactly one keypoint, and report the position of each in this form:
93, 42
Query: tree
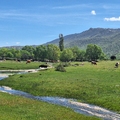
25, 55
17, 54
81, 55
30, 49
9, 54
3, 52
75, 51
93, 52
66, 55
53, 52
61, 42
40, 52
78, 54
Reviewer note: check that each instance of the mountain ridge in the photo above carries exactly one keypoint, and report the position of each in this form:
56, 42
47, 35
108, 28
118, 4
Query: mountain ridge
107, 38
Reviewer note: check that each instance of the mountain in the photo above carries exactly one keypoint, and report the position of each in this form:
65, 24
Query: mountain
107, 38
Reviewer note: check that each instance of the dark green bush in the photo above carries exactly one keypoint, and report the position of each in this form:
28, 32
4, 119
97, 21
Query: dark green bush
60, 68
66, 64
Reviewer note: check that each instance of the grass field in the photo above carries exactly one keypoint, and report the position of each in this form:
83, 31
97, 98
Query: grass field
13, 65
19, 108
96, 84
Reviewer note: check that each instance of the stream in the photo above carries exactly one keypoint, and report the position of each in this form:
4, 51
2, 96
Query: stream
82, 108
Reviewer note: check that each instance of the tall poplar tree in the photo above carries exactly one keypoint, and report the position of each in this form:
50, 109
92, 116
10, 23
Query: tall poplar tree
61, 42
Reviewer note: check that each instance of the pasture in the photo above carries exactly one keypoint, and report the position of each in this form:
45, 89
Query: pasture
96, 84
19, 108
13, 65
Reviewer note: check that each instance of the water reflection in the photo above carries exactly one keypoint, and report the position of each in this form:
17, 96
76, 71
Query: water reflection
82, 108
6, 74
2, 76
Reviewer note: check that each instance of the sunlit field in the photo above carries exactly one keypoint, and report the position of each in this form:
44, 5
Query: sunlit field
95, 84
19, 108
11, 65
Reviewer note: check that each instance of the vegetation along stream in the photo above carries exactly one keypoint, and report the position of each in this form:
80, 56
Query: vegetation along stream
82, 108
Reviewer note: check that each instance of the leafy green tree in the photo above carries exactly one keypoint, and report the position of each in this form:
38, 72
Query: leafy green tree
53, 52
66, 55
3, 53
25, 55
81, 55
10, 54
40, 52
17, 54
30, 49
14, 53
76, 52
61, 42
93, 52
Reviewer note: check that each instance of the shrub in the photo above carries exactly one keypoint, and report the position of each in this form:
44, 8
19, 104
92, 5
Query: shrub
60, 68
66, 64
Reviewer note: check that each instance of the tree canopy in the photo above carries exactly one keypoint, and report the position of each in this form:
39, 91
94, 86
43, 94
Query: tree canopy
52, 52
93, 52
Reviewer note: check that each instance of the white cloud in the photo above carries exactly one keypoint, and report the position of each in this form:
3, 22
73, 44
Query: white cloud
73, 6
112, 19
93, 12
17, 43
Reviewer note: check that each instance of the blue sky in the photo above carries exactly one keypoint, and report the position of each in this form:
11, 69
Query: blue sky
35, 22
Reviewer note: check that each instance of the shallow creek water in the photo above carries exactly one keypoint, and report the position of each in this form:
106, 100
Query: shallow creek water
82, 108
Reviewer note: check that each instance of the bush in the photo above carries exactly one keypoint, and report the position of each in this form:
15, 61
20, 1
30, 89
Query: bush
60, 68
66, 64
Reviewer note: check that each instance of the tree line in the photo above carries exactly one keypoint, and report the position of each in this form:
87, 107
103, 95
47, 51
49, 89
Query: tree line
53, 52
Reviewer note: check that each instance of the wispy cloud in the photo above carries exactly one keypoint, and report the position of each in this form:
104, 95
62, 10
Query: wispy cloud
73, 6
112, 19
45, 19
111, 6
93, 12
17, 43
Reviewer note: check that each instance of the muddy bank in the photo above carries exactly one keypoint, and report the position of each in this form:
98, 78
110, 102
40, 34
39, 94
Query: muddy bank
82, 108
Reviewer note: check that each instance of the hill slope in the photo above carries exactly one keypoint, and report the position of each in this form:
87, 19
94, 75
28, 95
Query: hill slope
108, 39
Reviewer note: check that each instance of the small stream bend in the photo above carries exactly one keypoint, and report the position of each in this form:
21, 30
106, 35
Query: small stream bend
82, 108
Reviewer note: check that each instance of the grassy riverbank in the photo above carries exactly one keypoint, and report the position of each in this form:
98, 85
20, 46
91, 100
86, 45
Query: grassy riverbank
95, 84
19, 108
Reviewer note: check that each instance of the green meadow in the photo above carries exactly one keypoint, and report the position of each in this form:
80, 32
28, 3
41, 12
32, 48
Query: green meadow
95, 84
19, 108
